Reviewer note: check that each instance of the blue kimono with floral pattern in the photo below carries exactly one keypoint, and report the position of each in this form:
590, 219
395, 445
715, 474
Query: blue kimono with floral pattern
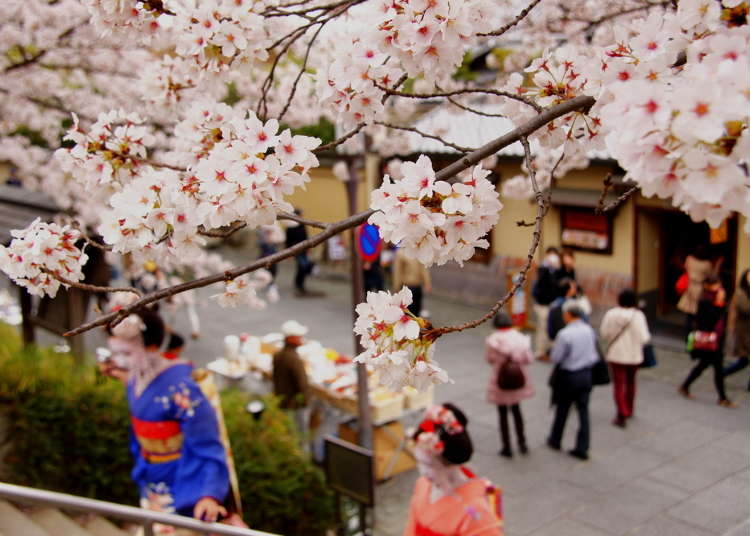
175, 441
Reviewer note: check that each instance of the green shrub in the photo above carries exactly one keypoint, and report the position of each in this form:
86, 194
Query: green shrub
281, 491
69, 433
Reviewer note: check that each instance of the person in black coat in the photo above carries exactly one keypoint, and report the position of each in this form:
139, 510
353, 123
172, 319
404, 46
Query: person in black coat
294, 235
710, 318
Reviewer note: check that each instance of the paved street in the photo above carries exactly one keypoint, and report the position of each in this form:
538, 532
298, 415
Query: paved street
680, 468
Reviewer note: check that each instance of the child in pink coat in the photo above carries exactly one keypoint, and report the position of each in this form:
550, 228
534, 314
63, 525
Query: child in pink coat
507, 343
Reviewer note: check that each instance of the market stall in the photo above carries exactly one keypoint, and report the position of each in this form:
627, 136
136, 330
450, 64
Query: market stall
248, 363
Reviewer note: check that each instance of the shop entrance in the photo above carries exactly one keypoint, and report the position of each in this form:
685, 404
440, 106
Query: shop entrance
664, 239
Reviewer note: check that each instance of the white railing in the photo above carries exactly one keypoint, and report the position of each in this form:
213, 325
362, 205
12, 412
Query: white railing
140, 516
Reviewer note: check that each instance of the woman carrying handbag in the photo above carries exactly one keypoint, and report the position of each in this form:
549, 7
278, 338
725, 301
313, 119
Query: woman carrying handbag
708, 339
509, 353
625, 330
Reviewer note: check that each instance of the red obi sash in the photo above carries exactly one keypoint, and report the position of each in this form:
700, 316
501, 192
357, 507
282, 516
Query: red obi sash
160, 441
421, 530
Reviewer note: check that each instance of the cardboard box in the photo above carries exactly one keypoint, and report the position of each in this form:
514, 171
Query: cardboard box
390, 456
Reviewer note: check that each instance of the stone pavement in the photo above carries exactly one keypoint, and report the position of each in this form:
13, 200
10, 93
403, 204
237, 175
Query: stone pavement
680, 468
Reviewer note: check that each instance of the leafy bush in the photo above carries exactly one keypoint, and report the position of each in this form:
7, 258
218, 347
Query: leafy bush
281, 491
68, 430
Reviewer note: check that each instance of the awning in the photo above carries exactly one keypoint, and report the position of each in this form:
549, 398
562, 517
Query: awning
19, 207
572, 197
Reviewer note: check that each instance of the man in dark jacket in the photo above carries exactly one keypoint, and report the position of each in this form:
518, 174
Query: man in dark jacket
544, 292
290, 379
296, 233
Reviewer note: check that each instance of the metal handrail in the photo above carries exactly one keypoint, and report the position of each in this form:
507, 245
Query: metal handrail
141, 516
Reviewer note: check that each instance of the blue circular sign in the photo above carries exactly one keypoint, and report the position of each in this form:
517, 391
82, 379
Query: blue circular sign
369, 243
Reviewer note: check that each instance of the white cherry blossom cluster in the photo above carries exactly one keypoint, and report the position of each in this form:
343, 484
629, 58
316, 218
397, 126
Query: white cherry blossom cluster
141, 19
239, 178
390, 335
349, 86
221, 33
551, 79
682, 132
111, 150
243, 290
432, 220
430, 37
39, 253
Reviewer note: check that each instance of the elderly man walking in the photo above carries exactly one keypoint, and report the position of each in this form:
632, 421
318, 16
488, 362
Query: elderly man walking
574, 353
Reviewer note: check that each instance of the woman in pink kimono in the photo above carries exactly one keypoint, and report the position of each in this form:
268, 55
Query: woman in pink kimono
448, 499
504, 344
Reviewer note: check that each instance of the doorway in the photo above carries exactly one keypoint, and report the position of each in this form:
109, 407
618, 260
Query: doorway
665, 238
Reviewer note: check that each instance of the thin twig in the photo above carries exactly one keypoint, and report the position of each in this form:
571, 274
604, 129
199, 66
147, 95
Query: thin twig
519, 18
550, 114
617, 202
487, 91
223, 233
303, 221
454, 102
90, 288
458, 148
542, 207
339, 141
300, 73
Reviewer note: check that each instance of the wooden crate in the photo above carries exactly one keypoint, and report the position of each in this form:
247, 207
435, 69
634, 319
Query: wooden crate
386, 440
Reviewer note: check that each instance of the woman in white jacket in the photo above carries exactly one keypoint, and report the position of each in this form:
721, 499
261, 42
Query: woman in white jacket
625, 330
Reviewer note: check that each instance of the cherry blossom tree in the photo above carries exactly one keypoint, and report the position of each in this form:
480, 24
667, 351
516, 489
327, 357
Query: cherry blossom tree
158, 123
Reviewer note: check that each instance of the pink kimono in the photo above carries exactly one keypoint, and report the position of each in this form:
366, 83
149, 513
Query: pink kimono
467, 512
502, 345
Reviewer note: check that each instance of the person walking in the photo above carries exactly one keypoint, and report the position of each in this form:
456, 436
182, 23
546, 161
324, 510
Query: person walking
625, 329
739, 326
574, 353
296, 233
568, 291
698, 267
180, 462
290, 379
509, 353
408, 271
544, 293
708, 339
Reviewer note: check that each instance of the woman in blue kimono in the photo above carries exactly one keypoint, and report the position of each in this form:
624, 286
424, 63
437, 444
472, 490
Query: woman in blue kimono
180, 462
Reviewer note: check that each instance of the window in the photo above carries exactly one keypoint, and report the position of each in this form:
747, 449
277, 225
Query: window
585, 230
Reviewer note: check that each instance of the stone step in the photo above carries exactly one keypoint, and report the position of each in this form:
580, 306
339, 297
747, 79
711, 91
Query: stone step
13, 521
98, 526
55, 522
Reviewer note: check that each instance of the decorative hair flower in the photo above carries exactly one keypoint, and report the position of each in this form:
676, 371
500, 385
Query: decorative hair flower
437, 418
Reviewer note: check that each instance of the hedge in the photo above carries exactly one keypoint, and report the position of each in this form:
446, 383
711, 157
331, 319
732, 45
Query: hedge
68, 432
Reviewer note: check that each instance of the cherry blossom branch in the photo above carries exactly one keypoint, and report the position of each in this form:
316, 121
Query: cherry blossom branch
458, 148
602, 207
238, 225
647, 5
542, 202
222, 233
265, 262
342, 139
303, 221
550, 114
300, 73
39, 55
469, 109
90, 288
522, 15
439, 94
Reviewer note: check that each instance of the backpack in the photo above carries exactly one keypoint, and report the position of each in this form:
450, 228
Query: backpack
510, 376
